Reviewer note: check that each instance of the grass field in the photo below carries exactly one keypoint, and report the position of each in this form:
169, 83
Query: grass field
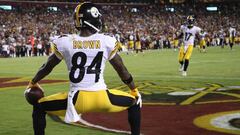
218, 65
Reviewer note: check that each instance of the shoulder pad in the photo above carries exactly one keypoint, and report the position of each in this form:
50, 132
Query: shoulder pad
108, 34
64, 35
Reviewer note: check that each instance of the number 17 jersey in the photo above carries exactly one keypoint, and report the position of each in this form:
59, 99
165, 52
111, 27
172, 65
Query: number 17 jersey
85, 58
189, 34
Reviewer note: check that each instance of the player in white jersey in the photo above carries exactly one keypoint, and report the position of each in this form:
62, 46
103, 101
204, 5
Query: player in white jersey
130, 43
85, 56
5, 50
221, 36
202, 43
188, 32
118, 38
232, 34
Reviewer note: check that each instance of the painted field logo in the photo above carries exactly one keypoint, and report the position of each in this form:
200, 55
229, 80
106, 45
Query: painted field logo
168, 95
226, 122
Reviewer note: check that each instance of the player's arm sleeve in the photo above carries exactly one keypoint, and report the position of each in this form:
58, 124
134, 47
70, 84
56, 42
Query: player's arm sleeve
56, 49
182, 27
180, 34
113, 47
199, 30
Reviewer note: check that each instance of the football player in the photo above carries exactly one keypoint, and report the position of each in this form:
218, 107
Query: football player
222, 37
232, 35
85, 56
188, 32
175, 41
202, 43
138, 42
130, 43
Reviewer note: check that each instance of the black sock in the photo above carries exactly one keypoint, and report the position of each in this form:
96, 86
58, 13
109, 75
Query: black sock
186, 62
39, 120
134, 119
181, 62
231, 45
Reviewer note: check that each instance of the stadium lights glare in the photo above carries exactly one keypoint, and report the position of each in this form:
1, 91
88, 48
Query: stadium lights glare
171, 9
134, 10
52, 8
6, 7
212, 8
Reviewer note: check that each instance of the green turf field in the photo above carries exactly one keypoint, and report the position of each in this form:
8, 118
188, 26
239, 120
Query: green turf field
218, 65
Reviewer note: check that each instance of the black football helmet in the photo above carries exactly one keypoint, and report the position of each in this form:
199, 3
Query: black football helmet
87, 15
190, 20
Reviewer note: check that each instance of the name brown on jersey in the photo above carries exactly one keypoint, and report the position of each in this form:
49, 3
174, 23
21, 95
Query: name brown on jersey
92, 44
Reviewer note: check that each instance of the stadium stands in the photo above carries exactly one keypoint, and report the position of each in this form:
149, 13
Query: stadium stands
28, 27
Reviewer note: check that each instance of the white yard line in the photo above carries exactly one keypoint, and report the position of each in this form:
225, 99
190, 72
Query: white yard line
101, 127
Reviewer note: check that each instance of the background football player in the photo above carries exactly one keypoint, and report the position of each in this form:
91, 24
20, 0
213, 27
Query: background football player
175, 40
130, 43
232, 34
188, 32
85, 56
221, 35
138, 43
202, 43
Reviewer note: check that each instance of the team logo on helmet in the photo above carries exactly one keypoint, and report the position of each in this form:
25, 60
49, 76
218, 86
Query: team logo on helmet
94, 12
87, 15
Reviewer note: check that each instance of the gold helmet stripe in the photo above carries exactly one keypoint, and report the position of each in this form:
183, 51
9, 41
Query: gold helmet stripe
190, 17
77, 14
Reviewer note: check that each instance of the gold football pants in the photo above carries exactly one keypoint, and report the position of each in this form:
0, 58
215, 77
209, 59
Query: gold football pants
202, 43
88, 101
130, 44
185, 52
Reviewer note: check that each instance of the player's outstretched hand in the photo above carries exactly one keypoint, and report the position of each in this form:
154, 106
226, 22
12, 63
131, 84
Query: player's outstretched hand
31, 84
33, 93
138, 96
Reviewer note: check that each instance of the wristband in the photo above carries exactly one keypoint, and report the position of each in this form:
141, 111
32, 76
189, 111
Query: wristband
134, 92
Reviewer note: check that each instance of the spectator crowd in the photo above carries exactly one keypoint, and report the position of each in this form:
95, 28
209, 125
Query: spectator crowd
27, 31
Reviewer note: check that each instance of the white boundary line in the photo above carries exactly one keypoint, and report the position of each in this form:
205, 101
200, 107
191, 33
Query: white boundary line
101, 127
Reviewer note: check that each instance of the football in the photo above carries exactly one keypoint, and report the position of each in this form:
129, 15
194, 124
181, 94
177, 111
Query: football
33, 94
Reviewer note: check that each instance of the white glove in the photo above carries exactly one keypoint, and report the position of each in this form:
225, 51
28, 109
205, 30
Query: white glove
138, 96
